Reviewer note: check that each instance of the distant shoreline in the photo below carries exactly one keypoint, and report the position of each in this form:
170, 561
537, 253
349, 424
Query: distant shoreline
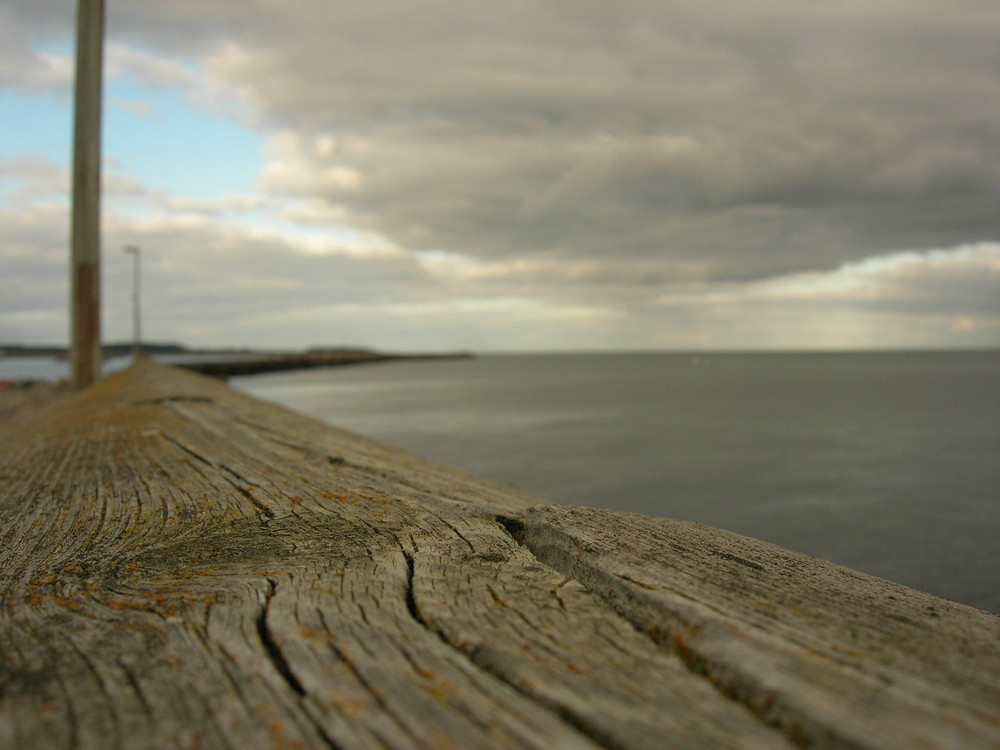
157, 348
285, 362
220, 363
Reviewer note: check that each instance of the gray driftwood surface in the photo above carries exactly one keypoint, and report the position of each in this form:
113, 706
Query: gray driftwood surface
187, 567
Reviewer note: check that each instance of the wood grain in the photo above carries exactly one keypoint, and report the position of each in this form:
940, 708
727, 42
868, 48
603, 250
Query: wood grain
184, 566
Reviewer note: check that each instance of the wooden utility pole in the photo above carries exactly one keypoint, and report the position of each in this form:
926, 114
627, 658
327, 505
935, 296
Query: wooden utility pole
86, 226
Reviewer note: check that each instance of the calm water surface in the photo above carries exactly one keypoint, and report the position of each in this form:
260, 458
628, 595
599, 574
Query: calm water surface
888, 463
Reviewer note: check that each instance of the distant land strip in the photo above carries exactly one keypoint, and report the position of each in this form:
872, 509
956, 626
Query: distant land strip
224, 363
277, 363
117, 349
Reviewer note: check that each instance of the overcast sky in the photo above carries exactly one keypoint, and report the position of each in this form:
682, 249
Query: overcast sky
550, 174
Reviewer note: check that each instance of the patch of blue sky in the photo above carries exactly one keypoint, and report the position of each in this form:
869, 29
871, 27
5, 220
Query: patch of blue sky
157, 135
35, 125
39, 123
165, 140
56, 44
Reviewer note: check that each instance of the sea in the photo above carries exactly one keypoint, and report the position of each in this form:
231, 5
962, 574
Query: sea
886, 462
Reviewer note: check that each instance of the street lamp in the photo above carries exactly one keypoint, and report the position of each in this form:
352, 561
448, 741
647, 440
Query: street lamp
134, 250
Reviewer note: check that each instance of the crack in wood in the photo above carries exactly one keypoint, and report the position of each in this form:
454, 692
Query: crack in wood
677, 636
72, 719
182, 399
741, 560
277, 659
671, 639
411, 600
244, 487
486, 667
514, 527
271, 648
133, 682
369, 688
190, 451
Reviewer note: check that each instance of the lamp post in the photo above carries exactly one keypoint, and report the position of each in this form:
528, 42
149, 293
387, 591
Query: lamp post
136, 305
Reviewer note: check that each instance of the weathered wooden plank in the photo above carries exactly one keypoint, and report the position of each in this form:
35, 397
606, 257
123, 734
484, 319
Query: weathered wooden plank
184, 566
20, 400
833, 656
555, 641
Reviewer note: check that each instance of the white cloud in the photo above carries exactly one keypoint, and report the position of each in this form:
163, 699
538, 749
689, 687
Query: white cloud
898, 278
456, 267
148, 68
942, 297
306, 166
26, 180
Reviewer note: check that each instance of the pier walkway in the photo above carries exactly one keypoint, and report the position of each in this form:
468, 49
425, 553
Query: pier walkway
184, 566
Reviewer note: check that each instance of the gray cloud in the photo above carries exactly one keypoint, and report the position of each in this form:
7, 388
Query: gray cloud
768, 139
612, 149
574, 127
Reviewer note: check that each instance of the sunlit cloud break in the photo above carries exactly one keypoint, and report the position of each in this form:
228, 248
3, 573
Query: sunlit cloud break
892, 276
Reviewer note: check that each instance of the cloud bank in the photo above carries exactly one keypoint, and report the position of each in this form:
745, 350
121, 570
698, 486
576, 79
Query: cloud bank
568, 175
